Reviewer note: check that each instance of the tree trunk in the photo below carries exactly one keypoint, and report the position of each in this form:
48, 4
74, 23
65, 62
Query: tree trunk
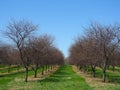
104, 72
9, 68
35, 73
85, 69
18, 67
104, 69
42, 70
26, 74
94, 73
51, 67
35, 70
104, 75
108, 67
22, 59
113, 68
80, 67
93, 70
46, 68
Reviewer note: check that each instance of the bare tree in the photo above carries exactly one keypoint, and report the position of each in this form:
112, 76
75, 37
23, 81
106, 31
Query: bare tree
107, 39
38, 51
19, 32
98, 47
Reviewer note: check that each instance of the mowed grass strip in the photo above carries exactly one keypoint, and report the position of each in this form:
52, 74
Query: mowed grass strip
64, 79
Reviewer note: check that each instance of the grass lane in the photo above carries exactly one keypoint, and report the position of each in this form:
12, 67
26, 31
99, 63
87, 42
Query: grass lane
63, 79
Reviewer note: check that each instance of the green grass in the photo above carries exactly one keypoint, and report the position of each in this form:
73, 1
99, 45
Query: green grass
115, 69
63, 79
12, 69
112, 77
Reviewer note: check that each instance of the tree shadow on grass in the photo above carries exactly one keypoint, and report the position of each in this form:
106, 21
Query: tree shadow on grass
53, 78
114, 79
50, 79
58, 76
11, 74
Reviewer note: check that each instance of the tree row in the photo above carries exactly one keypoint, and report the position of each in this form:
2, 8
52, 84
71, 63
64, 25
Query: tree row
28, 49
99, 47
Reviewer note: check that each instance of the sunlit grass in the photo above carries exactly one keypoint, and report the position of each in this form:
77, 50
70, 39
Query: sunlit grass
112, 79
63, 79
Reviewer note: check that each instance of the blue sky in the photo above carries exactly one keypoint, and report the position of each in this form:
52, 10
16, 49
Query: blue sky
64, 19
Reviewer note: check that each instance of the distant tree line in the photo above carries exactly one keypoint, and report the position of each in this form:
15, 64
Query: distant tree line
29, 50
99, 47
